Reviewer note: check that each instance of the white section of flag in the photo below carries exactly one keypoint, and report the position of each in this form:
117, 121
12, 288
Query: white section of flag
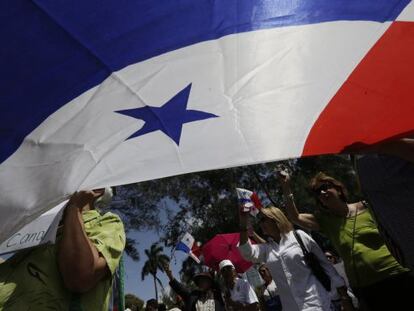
188, 240
245, 194
407, 15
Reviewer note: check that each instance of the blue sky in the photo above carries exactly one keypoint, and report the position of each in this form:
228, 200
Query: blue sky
133, 283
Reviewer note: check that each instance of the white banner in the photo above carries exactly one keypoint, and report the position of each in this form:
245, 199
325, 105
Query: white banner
40, 231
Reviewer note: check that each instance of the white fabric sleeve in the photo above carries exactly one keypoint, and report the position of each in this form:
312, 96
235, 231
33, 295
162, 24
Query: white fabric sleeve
312, 246
254, 253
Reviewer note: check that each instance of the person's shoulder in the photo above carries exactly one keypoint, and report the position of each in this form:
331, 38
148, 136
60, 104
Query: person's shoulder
304, 235
361, 205
111, 220
110, 217
272, 285
240, 280
243, 282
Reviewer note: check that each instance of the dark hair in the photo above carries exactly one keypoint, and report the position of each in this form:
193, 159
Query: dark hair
162, 307
202, 275
322, 177
152, 302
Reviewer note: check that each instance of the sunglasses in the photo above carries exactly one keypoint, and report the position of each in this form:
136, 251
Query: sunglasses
324, 187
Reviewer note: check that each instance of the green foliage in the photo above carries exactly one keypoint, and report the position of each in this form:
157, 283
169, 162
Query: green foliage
133, 302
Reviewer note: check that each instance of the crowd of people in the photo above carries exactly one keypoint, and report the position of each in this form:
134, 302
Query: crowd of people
362, 273
359, 273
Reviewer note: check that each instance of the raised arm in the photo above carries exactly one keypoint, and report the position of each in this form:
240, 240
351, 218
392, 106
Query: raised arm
403, 148
243, 217
255, 253
304, 220
179, 288
80, 263
257, 238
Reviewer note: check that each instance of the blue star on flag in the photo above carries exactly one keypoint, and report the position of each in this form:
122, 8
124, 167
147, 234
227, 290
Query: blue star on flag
168, 118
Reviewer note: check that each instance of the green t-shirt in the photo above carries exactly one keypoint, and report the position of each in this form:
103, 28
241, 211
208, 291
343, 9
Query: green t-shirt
366, 258
30, 280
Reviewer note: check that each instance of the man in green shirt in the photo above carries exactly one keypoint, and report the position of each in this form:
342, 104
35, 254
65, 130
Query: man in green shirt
77, 272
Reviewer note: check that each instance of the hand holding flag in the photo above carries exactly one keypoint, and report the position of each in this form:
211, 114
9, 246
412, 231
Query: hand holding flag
189, 246
249, 201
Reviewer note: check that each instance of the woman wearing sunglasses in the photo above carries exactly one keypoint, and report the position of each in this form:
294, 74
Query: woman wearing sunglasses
374, 275
299, 289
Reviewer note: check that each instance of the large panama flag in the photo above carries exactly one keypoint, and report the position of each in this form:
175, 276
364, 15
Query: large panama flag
100, 93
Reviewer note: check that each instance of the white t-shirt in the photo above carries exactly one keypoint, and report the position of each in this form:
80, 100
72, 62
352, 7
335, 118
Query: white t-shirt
299, 290
243, 292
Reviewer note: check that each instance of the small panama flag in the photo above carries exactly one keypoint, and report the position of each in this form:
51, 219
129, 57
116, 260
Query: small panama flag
249, 200
189, 246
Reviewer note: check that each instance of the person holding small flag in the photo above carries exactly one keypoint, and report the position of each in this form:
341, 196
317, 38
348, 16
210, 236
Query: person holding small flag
189, 246
206, 297
284, 255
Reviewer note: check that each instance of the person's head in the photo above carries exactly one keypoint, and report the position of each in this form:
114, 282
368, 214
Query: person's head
273, 222
331, 257
179, 301
227, 270
162, 307
151, 305
327, 190
265, 273
204, 281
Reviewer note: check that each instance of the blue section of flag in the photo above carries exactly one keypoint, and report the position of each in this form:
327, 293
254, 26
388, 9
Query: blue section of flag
182, 247
53, 51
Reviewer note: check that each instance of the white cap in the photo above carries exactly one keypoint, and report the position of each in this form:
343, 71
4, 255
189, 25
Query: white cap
225, 263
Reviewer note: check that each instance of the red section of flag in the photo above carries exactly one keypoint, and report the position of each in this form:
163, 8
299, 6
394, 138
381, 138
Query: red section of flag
196, 250
377, 100
256, 201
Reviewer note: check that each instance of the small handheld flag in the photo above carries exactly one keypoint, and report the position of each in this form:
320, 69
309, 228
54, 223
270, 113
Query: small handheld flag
249, 201
189, 246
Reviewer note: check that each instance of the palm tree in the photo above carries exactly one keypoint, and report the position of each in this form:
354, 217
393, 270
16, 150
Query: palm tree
156, 260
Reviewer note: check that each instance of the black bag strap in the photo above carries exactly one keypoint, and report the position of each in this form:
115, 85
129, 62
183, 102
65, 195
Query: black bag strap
300, 241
